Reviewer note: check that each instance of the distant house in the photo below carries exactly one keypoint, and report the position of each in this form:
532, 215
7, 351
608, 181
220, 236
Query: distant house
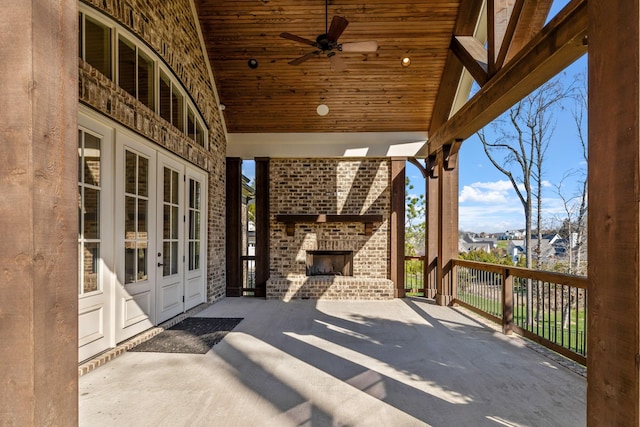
472, 242
248, 226
552, 248
515, 248
512, 235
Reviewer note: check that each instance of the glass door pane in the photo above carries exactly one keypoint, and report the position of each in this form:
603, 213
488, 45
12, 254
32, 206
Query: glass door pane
194, 224
171, 221
89, 191
136, 236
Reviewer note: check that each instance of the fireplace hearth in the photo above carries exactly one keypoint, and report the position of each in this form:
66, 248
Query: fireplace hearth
329, 263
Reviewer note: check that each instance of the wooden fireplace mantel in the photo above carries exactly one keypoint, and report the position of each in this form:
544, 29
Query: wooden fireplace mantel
292, 219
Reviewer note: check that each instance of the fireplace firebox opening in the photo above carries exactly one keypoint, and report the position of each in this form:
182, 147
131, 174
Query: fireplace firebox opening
329, 263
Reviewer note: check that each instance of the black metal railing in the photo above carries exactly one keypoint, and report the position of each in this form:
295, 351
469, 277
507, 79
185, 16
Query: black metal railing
549, 308
248, 275
414, 275
417, 281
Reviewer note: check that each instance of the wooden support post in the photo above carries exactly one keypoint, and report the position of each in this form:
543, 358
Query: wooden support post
432, 230
234, 227
398, 176
447, 229
262, 226
39, 213
507, 302
613, 387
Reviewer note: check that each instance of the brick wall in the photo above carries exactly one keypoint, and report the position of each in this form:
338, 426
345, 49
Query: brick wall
329, 186
170, 28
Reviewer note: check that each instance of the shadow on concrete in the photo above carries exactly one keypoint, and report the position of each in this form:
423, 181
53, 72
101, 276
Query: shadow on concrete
329, 363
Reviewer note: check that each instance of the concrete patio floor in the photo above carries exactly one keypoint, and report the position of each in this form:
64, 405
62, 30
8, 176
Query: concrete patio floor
405, 362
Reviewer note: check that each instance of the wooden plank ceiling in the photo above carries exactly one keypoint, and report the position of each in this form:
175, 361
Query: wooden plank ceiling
374, 94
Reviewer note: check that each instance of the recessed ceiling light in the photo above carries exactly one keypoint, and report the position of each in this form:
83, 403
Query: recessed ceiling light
253, 63
322, 110
406, 61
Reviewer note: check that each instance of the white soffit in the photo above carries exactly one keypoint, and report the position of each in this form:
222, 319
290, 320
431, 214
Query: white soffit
310, 145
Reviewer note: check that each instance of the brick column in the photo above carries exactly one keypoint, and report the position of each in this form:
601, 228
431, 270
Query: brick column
613, 390
398, 177
39, 212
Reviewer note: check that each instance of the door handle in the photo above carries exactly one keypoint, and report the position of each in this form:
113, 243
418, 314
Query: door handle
160, 264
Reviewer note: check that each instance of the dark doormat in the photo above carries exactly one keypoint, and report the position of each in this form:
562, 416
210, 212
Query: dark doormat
194, 335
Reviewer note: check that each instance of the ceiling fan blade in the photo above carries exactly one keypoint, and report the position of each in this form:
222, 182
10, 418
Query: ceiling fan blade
338, 25
337, 63
303, 58
297, 39
360, 47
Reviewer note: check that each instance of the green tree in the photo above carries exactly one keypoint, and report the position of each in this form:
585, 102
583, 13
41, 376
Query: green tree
415, 225
496, 256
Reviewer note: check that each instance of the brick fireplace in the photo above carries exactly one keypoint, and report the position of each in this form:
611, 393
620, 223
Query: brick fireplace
336, 212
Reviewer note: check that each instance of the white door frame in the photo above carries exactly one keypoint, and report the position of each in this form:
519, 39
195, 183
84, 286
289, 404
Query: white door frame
135, 302
95, 309
170, 261
195, 280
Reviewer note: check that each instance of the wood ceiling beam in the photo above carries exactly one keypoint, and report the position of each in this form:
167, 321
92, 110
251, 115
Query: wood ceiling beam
473, 56
468, 16
558, 45
506, 36
532, 18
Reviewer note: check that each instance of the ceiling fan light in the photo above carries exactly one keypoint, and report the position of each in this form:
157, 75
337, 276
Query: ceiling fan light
322, 110
406, 61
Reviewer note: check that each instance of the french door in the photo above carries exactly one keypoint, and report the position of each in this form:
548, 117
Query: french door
170, 236
135, 237
195, 226
142, 235
180, 256
95, 242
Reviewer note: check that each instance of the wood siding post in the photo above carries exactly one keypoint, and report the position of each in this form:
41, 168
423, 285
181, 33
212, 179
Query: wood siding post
432, 230
39, 212
234, 227
263, 214
613, 388
507, 302
447, 230
398, 184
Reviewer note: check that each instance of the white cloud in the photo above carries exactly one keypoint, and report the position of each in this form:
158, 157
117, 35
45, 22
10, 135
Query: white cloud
491, 219
486, 192
499, 217
494, 207
470, 194
501, 185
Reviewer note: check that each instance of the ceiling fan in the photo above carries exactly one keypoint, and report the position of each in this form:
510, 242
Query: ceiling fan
328, 44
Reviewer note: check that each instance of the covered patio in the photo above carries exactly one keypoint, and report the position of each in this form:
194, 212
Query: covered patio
396, 362
405, 362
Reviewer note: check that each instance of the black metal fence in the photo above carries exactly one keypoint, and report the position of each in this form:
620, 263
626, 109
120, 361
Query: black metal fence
549, 308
